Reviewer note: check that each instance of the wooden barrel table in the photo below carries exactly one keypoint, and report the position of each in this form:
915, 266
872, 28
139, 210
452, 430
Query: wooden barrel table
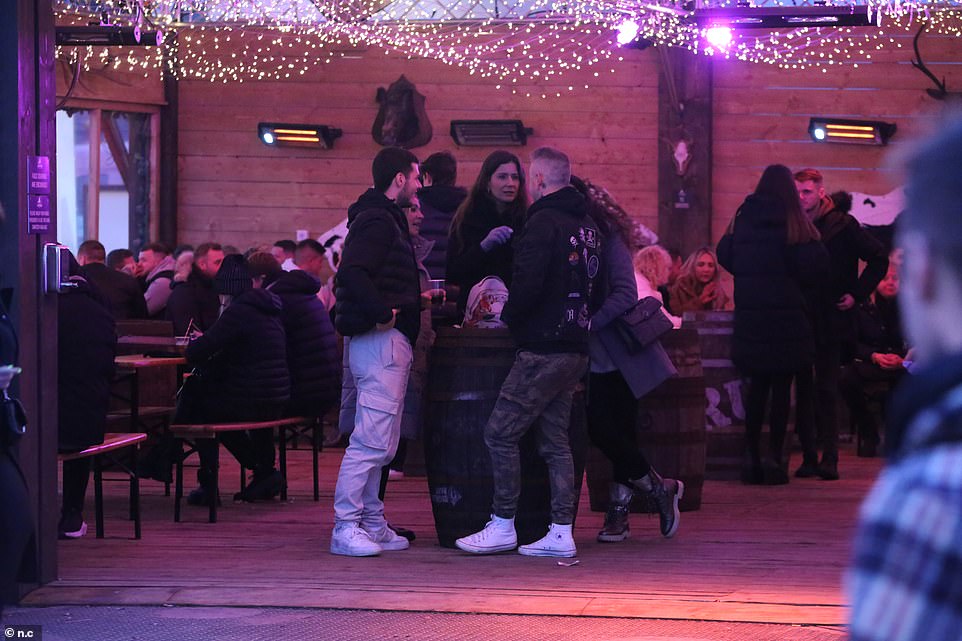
669, 427
468, 367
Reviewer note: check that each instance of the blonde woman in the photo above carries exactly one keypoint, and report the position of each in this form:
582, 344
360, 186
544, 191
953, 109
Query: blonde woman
652, 267
698, 287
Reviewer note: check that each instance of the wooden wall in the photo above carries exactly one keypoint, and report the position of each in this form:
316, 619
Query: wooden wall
761, 116
236, 190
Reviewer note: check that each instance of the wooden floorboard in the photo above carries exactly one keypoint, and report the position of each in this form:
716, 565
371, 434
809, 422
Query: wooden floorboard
750, 554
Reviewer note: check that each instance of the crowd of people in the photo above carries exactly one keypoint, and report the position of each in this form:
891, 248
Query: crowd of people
298, 328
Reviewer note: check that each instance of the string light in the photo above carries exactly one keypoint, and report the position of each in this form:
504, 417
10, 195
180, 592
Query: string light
526, 47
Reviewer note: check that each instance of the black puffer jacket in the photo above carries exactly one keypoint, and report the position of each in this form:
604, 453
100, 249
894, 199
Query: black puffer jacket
438, 204
468, 264
556, 283
243, 356
312, 357
86, 349
193, 300
773, 329
378, 272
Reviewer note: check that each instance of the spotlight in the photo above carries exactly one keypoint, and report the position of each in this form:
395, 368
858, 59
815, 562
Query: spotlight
853, 132
719, 37
627, 32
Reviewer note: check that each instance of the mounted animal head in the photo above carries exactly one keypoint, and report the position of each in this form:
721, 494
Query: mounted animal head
402, 120
940, 92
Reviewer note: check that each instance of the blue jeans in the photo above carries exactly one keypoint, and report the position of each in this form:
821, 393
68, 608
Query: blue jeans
539, 389
380, 362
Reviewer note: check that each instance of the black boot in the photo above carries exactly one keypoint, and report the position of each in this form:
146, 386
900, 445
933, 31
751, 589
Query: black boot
203, 495
665, 494
809, 467
264, 486
616, 518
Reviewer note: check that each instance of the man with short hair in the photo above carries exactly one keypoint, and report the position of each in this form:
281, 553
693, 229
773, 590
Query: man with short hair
122, 260
556, 260
439, 200
283, 252
121, 290
156, 270
309, 256
904, 582
194, 304
834, 319
378, 308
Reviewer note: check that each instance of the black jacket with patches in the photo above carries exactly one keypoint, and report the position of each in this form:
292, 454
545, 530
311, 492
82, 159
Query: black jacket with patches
555, 283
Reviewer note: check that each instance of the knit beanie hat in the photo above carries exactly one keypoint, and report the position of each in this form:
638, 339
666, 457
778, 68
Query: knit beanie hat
233, 278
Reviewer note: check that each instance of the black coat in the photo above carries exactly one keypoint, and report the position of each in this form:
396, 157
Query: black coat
312, 356
87, 344
847, 243
556, 283
378, 271
194, 299
121, 290
773, 329
438, 204
878, 329
468, 264
243, 356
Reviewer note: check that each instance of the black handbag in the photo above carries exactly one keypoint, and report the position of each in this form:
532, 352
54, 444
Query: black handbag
643, 324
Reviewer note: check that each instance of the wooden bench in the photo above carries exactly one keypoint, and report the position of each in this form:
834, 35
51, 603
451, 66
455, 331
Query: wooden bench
195, 432
104, 455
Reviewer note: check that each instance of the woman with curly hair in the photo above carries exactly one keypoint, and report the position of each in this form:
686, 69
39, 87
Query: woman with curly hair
698, 287
479, 243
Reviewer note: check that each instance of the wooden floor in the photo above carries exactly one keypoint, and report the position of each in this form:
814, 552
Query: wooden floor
750, 554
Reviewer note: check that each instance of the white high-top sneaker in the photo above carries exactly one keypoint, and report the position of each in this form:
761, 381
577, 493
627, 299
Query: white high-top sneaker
557, 542
497, 536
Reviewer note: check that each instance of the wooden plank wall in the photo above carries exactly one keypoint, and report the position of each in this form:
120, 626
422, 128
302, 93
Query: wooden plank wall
236, 190
761, 116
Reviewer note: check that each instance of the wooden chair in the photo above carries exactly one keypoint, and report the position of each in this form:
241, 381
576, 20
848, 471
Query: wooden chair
190, 434
105, 455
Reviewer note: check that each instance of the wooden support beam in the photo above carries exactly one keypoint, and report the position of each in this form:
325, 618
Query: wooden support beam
92, 218
115, 143
684, 149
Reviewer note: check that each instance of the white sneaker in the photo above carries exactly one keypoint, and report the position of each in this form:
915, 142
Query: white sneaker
349, 539
557, 542
388, 539
497, 536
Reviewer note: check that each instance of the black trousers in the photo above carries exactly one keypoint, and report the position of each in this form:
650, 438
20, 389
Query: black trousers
76, 477
254, 449
612, 411
816, 417
760, 387
852, 385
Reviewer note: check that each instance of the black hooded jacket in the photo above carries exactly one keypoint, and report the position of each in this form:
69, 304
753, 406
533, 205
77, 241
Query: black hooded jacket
243, 356
554, 287
378, 271
438, 204
312, 356
193, 300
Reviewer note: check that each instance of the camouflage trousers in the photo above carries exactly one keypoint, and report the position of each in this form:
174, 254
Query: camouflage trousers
537, 393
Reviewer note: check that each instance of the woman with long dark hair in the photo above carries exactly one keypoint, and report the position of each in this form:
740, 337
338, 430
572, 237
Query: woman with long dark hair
479, 243
619, 378
775, 255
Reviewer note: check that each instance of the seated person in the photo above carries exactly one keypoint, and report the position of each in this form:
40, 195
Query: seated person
240, 374
121, 290
312, 354
880, 350
193, 303
698, 286
87, 343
